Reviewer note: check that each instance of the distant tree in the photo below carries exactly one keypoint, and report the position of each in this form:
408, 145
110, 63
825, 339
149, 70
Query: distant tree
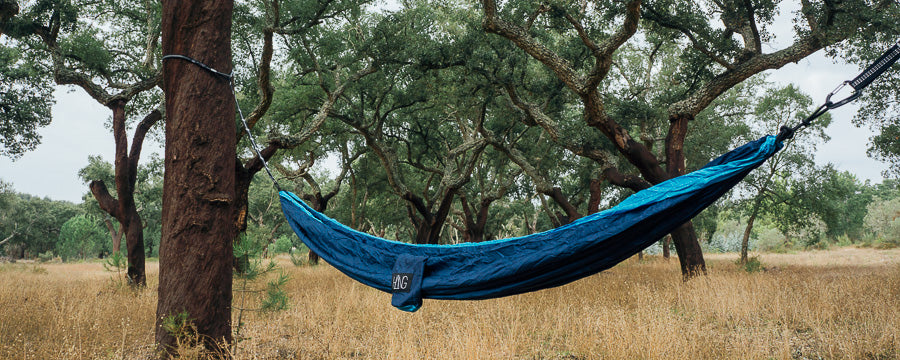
776, 182
114, 60
79, 238
882, 220
30, 225
147, 194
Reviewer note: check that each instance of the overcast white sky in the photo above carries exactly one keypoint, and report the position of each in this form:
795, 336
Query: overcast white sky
78, 131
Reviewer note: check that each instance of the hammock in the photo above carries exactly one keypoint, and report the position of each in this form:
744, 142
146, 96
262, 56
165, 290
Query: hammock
552, 258
517, 265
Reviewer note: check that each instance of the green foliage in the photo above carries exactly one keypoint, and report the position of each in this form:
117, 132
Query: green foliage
25, 102
31, 224
45, 256
882, 222
282, 245
753, 265
276, 298
181, 327
268, 297
79, 238
116, 262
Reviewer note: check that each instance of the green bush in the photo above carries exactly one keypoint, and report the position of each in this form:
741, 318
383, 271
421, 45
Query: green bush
282, 245
753, 265
45, 256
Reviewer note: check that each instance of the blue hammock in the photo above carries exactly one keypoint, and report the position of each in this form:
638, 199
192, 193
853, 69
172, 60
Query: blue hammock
517, 265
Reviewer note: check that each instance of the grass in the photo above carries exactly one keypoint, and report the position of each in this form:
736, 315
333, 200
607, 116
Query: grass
834, 304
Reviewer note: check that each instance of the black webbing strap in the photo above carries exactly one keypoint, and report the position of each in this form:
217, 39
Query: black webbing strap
230, 79
879, 66
858, 83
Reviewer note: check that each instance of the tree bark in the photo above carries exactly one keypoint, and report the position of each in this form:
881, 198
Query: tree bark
196, 249
475, 221
690, 255
115, 235
745, 241
319, 203
596, 188
124, 208
666, 241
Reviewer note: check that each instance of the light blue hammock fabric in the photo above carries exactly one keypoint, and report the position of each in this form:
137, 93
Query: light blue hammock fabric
517, 265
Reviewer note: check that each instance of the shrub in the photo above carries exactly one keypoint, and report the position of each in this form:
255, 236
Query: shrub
753, 265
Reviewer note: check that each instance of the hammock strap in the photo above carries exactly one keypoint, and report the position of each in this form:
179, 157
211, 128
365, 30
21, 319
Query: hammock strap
858, 83
230, 78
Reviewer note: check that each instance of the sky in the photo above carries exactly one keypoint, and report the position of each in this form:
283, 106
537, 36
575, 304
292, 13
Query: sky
78, 131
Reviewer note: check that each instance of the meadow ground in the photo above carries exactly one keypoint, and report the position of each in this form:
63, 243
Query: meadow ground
835, 304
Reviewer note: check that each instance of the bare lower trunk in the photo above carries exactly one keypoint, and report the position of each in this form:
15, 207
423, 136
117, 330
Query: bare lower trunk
313, 258
690, 255
745, 241
196, 249
134, 249
666, 242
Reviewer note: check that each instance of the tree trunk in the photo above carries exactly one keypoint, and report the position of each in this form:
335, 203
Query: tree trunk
572, 213
134, 248
596, 188
196, 249
665, 246
475, 223
319, 203
690, 255
115, 235
745, 241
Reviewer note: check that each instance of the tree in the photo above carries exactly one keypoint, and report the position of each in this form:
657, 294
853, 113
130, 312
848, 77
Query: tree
777, 183
30, 225
79, 238
147, 195
105, 61
196, 249
315, 196
715, 57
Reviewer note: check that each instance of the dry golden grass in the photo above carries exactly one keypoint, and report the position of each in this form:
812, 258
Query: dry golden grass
838, 304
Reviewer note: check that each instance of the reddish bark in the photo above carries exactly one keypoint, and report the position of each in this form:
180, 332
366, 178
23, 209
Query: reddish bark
475, 221
319, 203
123, 208
196, 250
596, 188
429, 224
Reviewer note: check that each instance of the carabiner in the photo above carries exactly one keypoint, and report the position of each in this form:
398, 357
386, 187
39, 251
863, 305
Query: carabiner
851, 97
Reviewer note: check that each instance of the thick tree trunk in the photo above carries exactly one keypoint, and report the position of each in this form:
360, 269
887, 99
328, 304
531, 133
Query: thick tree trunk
319, 203
690, 255
475, 223
196, 250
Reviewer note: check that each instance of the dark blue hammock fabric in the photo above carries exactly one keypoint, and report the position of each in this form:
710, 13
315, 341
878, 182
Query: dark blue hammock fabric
517, 265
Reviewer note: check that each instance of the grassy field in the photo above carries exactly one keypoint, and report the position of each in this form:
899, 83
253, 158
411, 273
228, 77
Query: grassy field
836, 304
